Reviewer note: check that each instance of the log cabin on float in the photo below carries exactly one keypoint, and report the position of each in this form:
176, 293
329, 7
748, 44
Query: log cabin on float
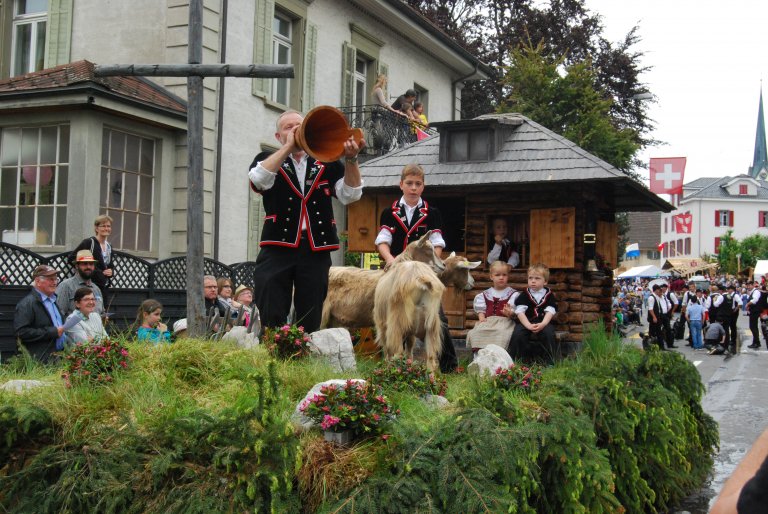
559, 201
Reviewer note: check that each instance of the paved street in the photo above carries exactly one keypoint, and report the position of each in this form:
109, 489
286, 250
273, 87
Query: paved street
736, 397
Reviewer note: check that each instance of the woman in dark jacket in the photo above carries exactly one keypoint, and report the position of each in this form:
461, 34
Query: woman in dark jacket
102, 252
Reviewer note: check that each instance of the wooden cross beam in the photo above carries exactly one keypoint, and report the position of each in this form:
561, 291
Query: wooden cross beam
195, 72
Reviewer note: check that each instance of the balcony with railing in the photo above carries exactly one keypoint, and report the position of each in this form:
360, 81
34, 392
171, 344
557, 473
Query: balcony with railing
384, 130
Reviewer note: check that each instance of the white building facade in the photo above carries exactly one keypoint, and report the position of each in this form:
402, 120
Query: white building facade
710, 207
337, 48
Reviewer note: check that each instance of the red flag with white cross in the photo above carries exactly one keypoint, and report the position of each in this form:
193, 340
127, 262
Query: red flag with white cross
683, 223
667, 175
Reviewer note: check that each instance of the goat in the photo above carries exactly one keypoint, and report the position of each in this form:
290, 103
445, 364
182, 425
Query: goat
407, 305
350, 290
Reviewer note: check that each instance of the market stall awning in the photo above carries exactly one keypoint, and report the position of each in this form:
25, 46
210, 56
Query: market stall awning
650, 271
688, 267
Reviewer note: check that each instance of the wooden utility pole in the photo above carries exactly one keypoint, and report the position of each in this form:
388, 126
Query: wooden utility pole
195, 71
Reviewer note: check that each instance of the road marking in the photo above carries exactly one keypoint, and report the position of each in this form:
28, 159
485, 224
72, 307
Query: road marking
696, 363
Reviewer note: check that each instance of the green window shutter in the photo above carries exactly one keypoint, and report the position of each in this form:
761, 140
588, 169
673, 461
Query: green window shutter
262, 43
58, 35
310, 59
348, 74
255, 219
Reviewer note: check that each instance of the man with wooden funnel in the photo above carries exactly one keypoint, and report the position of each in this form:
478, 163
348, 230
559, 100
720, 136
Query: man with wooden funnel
299, 229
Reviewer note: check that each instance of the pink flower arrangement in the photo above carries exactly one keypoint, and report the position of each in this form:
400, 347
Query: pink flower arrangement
358, 406
518, 377
94, 362
406, 375
287, 342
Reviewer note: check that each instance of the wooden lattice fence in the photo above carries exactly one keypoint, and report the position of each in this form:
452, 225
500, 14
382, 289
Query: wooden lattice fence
135, 280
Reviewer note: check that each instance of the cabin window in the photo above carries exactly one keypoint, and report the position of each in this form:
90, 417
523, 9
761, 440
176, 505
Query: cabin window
468, 145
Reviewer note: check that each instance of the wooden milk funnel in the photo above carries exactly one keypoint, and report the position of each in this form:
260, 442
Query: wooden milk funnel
323, 132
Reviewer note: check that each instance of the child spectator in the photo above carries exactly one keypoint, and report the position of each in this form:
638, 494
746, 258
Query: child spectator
494, 325
405, 221
149, 327
418, 108
535, 308
502, 249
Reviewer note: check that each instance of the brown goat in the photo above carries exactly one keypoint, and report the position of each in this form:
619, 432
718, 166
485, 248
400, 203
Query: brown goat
350, 290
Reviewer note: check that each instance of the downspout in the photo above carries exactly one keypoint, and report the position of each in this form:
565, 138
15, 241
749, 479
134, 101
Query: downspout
220, 133
453, 91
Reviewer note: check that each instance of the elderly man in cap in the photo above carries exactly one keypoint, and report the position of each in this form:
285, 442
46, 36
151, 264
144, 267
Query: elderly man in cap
37, 322
85, 264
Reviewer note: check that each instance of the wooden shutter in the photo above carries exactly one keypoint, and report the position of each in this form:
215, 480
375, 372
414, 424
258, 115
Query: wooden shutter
310, 60
349, 55
730, 218
717, 218
262, 44
761, 219
362, 221
553, 234
717, 244
606, 237
58, 35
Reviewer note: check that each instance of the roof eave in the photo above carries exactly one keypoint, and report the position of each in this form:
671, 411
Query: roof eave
26, 98
423, 34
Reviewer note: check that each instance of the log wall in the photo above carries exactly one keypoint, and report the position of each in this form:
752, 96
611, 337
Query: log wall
582, 297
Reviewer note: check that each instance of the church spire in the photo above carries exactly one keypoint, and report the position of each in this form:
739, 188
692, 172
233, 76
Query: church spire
759, 168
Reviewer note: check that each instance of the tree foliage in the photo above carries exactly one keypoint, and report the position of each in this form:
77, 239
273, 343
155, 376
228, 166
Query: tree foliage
751, 248
565, 32
563, 98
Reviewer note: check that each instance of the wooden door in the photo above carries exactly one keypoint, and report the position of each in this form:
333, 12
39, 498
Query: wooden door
455, 307
606, 241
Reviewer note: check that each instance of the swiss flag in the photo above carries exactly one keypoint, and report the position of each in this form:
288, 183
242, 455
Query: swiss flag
667, 175
683, 223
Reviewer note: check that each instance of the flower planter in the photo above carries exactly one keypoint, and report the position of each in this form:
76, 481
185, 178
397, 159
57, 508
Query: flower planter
343, 438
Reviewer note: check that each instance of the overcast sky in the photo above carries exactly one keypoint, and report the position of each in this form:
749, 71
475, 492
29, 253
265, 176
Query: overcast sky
708, 58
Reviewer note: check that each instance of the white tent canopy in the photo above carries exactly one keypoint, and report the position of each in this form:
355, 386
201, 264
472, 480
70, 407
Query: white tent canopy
761, 268
650, 271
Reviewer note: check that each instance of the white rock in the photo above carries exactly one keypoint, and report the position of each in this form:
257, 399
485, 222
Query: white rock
335, 346
436, 401
241, 337
19, 386
488, 360
298, 418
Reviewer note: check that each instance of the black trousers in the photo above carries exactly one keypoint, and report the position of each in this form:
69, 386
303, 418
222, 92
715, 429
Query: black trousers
754, 321
448, 359
656, 332
282, 274
544, 347
669, 336
731, 332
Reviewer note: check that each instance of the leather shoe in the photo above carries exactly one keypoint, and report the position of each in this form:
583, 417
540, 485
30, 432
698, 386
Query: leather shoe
754, 346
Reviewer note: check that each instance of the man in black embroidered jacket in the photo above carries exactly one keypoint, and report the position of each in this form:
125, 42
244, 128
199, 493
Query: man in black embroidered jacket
299, 227
535, 308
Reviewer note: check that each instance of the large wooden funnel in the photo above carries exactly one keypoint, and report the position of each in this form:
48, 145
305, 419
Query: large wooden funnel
323, 132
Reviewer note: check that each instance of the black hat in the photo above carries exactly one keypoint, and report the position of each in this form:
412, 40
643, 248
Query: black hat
656, 287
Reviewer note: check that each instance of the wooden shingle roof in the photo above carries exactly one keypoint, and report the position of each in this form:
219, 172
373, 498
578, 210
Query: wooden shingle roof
529, 153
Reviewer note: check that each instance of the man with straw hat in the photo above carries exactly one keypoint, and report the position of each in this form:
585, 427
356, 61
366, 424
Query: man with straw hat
85, 264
